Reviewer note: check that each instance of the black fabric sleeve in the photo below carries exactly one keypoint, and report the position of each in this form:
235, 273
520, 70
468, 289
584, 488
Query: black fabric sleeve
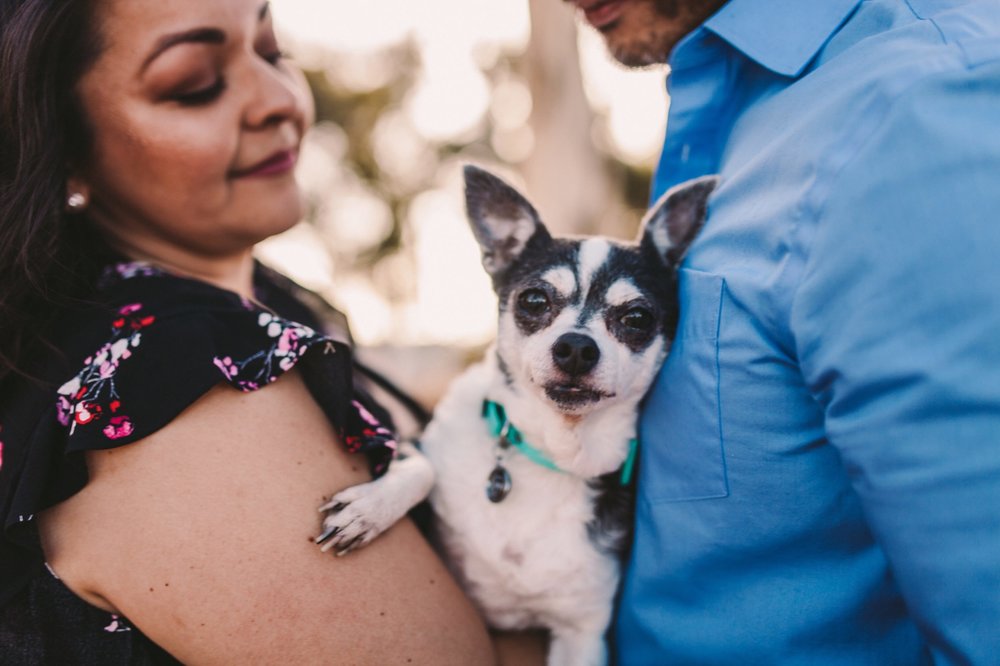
151, 368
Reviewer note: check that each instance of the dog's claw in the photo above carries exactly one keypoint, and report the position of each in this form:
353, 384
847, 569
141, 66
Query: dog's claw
354, 516
327, 534
332, 543
349, 546
333, 506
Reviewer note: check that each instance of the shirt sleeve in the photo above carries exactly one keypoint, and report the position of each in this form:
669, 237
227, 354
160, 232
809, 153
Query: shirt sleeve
897, 327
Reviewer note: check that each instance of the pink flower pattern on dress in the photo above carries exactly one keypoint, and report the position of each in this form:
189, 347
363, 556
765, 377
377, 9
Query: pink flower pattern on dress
118, 426
372, 434
117, 625
130, 269
289, 341
91, 395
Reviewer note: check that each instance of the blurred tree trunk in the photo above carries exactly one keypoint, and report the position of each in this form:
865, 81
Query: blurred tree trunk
565, 174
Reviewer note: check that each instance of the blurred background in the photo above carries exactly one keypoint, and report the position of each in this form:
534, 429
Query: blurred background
408, 92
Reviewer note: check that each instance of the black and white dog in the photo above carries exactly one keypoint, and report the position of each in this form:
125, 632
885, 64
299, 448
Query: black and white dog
546, 423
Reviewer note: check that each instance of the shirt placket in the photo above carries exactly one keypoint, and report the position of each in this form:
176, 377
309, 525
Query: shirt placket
699, 116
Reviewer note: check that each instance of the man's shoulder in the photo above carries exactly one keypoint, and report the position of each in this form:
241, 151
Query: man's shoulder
905, 64
970, 27
888, 55
909, 39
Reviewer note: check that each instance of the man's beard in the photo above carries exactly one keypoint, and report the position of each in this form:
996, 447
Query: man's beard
666, 8
641, 54
669, 21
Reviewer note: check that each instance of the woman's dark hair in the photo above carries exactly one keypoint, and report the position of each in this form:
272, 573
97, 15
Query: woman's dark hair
47, 259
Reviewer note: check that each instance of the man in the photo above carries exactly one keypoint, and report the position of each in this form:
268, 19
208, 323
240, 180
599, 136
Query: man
820, 471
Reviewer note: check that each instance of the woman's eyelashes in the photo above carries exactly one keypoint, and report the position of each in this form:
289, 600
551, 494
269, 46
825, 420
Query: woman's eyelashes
202, 96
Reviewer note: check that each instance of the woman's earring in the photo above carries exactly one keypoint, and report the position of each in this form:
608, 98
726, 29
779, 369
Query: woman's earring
76, 202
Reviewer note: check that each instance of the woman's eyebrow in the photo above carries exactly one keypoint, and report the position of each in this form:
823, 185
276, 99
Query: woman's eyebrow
195, 36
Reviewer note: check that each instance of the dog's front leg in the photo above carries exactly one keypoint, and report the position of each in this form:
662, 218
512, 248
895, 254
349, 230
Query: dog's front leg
360, 513
577, 648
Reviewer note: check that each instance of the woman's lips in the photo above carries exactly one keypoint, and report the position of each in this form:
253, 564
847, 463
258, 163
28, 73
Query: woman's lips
280, 162
603, 14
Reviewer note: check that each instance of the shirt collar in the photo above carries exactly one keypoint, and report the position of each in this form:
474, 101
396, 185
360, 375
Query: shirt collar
781, 35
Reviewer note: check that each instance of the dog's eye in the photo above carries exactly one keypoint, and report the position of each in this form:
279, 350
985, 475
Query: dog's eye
639, 319
533, 302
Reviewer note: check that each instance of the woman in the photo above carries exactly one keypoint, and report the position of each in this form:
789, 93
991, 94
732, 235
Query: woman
147, 145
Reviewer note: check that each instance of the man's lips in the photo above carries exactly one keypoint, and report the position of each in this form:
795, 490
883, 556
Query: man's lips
601, 13
278, 163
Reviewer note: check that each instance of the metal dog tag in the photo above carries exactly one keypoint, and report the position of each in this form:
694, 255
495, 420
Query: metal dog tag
498, 484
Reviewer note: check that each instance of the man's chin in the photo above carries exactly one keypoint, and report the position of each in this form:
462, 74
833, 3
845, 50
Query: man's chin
650, 48
645, 32
637, 58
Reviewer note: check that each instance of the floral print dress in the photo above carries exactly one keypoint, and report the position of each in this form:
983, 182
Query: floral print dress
152, 345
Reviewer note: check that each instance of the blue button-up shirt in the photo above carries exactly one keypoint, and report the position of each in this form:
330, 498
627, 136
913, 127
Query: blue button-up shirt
820, 471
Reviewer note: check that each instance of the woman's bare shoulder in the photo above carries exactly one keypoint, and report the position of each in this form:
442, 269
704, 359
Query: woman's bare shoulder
201, 534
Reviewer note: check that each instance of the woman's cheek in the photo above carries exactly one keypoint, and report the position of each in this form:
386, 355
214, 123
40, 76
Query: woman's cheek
203, 154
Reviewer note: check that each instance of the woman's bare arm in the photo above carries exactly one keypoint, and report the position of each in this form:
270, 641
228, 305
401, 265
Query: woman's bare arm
523, 648
201, 535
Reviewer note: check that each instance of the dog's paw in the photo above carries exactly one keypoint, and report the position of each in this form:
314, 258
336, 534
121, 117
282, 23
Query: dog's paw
360, 513
353, 520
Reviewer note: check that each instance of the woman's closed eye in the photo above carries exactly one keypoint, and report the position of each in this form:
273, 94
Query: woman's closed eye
201, 96
208, 94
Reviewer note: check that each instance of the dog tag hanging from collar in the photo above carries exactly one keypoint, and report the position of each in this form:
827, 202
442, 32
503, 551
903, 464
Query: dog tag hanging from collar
498, 484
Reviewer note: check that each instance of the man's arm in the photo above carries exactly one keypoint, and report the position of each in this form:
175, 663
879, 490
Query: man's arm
897, 327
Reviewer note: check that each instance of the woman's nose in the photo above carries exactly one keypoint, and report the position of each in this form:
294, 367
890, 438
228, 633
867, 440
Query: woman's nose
279, 93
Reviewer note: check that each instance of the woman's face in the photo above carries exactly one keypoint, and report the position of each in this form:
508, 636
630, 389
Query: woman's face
196, 124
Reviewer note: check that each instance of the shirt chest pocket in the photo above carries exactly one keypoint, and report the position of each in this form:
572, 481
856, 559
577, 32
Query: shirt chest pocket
681, 425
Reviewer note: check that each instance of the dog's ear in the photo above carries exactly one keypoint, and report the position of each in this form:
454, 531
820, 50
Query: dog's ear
674, 221
502, 220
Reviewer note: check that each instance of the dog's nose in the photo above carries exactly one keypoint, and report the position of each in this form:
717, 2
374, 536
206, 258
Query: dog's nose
575, 354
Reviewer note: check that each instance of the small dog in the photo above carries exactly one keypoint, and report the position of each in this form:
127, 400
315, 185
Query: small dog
546, 423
